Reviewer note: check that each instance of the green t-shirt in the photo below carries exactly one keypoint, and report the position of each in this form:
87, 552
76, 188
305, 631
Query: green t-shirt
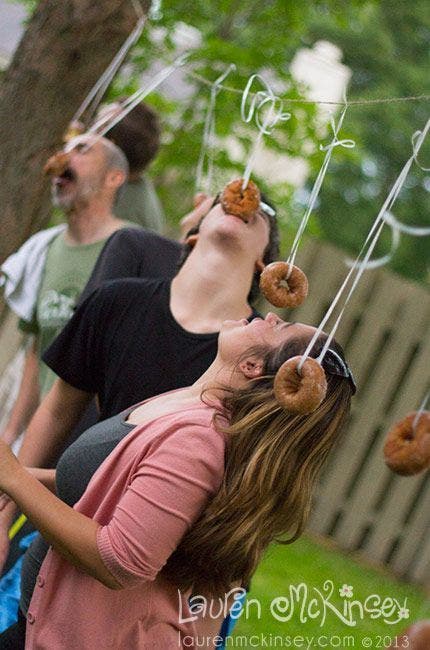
65, 275
138, 202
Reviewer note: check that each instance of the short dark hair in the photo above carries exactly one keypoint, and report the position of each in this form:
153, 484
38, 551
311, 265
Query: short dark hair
138, 135
270, 254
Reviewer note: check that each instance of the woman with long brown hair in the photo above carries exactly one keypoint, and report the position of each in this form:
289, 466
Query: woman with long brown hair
204, 480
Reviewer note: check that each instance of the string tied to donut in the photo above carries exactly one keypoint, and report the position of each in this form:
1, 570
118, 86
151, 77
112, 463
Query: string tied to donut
57, 164
209, 136
267, 110
300, 384
407, 445
360, 262
329, 148
242, 203
282, 283
91, 102
398, 227
109, 120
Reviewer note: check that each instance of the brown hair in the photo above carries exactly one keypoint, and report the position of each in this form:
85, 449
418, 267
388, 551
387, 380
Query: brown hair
273, 459
138, 135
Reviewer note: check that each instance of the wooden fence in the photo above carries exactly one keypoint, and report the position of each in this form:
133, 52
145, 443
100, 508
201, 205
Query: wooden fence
386, 337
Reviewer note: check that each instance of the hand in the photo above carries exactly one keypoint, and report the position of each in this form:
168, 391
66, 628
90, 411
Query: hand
9, 464
6, 518
202, 205
9, 436
4, 500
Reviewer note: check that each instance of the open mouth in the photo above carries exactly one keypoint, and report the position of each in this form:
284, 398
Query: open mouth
68, 176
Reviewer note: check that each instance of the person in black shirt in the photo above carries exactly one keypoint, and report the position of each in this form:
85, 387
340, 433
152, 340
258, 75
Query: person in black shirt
134, 338
136, 253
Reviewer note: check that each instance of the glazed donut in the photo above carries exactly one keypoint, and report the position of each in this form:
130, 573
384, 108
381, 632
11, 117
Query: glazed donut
241, 203
300, 393
273, 280
407, 451
57, 164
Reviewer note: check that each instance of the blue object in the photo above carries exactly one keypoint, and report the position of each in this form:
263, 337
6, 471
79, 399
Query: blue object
10, 588
230, 621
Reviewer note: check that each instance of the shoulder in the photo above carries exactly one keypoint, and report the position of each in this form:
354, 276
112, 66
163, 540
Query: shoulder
140, 237
123, 290
189, 438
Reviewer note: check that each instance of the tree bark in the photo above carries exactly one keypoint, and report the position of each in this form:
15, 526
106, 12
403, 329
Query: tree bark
64, 50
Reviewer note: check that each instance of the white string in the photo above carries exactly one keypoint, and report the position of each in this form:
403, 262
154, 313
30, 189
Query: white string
273, 107
348, 144
371, 239
420, 410
209, 135
382, 261
107, 122
98, 90
417, 231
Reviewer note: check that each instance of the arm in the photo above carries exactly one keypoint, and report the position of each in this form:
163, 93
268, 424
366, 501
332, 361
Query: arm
53, 421
72, 534
28, 396
128, 550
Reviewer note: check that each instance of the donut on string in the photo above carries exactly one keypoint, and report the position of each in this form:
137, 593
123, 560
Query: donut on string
301, 390
57, 164
243, 203
283, 284
415, 637
407, 447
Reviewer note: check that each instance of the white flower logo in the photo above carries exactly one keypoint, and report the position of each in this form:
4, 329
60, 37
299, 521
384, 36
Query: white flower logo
403, 612
346, 591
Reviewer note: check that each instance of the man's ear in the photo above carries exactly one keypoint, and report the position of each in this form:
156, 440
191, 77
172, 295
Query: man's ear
116, 178
251, 368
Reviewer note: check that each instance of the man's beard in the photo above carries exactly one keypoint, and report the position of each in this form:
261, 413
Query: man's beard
81, 194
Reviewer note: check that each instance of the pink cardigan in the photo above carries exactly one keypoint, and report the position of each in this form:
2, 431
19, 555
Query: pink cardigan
145, 496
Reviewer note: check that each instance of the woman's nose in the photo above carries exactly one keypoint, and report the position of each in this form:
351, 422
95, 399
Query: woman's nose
271, 318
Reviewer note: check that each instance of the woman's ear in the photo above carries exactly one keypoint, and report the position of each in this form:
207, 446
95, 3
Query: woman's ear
251, 368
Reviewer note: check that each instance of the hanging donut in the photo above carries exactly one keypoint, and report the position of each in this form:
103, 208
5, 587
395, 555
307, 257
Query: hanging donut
407, 448
57, 164
300, 391
282, 290
241, 203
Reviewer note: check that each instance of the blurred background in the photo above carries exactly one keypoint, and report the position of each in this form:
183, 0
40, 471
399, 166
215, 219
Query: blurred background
314, 51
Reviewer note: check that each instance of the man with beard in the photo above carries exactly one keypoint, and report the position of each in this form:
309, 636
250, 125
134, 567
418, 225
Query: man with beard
85, 192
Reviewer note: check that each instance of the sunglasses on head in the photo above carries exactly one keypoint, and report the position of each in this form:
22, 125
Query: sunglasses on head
333, 364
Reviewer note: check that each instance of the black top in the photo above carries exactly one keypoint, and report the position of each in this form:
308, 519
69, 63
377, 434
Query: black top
124, 344
133, 253
74, 471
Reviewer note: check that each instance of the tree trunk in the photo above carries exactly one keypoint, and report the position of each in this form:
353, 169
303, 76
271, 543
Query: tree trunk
65, 48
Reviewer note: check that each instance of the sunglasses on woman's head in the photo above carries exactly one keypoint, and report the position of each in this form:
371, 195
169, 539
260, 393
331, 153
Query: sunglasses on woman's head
333, 364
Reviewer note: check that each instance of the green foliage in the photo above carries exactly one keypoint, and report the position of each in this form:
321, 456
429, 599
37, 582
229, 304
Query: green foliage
384, 42
387, 50
307, 563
